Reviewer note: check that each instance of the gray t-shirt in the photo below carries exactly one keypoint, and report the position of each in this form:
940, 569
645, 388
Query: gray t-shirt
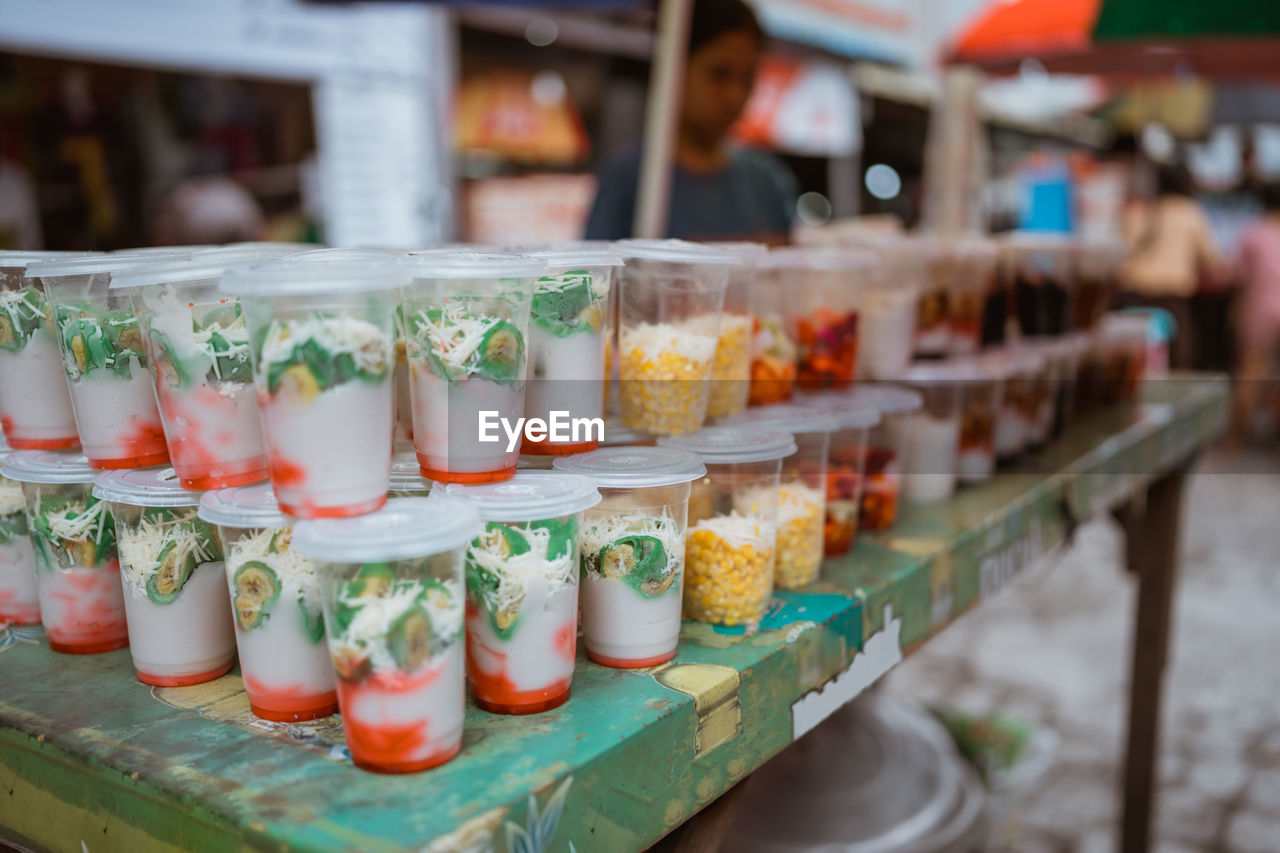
752, 198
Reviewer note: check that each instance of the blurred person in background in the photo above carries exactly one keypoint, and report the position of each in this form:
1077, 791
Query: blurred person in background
1171, 254
717, 192
1258, 272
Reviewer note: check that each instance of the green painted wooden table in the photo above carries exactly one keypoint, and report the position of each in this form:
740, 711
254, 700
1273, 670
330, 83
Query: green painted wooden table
89, 756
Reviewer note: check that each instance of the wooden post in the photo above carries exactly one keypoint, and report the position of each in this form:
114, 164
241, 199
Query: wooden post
653, 195
1152, 535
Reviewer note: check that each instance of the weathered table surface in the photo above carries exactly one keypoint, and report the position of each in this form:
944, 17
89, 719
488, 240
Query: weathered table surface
88, 754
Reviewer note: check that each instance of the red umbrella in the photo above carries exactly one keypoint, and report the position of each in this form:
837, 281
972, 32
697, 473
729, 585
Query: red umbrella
1113, 38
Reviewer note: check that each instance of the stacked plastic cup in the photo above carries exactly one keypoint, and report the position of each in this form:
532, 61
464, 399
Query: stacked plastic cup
824, 299
802, 491
105, 359
773, 350
467, 327
733, 522
567, 336
73, 539
406, 476
1041, 268
35, 405
970, 286
669, 305
19, 600
980, 400
929, 440
175, 589
323, 355
275, 604
846, 465
394, 599
522, 589
882, 483
890, 305
633, 551
731, 370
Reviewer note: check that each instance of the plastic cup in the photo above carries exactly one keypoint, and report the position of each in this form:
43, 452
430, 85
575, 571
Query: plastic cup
522, 589
175, 592
19, 598
846, 465
406, 477
1072, 352
1038, 355
74, 543
970, 285
1097, 267
928, 441
825, 292
733, 523
467, 326
275, 606
323, 353
980, 399
1122, 350
197, 344
632, 552
393, 589
669, 306
104, 359
887, 333
1042, 271
731, 369
802, 490
567, 336
882, 483
1021, 404
773, 350
35, 405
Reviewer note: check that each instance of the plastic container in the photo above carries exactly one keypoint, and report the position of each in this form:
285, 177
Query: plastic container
733, 522
928, 441
802, 491
825, 289
1042, 271
406, 477
669, 306
1122, 352
522, 589
1097, 268
197, 344
323, 354
467, 327
394, 608
175, 591
773, 350
567, 336
882, 483
931, 261
104, 359
275, 604
846, 465
731, 370
980, 399
972, 283
73, 538
889, 315
632, 547
19, 598
1073, 350
35, 405
1038, 356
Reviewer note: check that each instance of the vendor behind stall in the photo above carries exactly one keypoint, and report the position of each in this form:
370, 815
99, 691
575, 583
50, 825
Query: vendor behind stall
717, 192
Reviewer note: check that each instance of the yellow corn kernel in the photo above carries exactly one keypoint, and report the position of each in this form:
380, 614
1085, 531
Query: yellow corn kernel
724, 583
731, 369
664, 394
799, 544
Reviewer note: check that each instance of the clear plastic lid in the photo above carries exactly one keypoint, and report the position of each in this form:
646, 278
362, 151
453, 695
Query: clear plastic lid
406, 474
673, 251
404, 529
99, 264
746, 251
787, 417
848, 411
143, 487
282, 277
559, 259
48, 466
18, 259
952, 372
199, 268
530, 496
311, 256
238, 254
467, 265
890, 399
634, 467
823, 258
167, 250
726, 445
243, 506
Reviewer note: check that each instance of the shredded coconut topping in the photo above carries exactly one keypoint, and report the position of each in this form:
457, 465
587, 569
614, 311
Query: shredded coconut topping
687, 340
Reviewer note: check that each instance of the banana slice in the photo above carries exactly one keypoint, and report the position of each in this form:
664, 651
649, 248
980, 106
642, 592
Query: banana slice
257, 586
409, 639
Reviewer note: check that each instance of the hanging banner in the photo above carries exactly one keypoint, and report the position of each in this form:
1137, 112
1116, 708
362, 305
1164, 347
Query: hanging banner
802, 107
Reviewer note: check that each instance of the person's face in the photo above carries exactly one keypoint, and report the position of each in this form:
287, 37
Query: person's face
717, 83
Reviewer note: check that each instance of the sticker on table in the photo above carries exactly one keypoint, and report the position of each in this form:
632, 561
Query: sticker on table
11, 635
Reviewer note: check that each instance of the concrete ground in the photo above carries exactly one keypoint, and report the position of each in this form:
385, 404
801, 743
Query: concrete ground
1053, 647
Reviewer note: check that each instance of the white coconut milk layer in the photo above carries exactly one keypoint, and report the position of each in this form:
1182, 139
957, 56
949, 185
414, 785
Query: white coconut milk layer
565, 375
533, 657
18, 594
212, 431
340, 442
975, 465
446, 422
112, 413
79, 605
930, 447
190, 635
279, 655
619, 621
34, 400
